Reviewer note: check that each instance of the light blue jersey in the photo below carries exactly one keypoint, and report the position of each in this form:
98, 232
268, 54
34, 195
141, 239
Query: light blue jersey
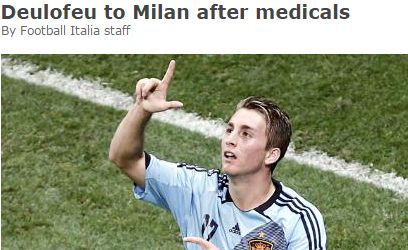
202, 206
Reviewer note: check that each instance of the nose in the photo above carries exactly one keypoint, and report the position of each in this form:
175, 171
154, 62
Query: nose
230, 139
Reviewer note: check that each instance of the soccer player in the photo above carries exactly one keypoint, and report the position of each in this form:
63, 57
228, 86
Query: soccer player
240, 207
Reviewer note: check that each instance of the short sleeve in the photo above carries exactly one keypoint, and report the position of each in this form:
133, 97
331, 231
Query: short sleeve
174, 187
303, 238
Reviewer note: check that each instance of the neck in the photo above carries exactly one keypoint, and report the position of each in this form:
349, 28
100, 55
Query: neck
249, 194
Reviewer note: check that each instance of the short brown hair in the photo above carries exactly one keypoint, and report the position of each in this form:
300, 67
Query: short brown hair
278, 126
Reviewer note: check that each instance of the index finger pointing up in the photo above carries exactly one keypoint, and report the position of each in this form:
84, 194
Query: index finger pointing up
169, 73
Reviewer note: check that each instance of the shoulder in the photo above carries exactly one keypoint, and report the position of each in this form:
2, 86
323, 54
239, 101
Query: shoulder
154, 162
179, 173
291, 197
296, 204
307, 221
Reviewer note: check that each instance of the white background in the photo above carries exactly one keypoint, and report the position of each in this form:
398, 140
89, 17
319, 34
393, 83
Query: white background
373, 27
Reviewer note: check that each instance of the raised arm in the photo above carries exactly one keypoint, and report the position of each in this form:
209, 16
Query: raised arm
126, 149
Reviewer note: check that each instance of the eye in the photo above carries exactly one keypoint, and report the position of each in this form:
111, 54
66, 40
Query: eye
246, 134
228, 130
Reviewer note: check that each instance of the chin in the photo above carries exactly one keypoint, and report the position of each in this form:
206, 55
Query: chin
229, 169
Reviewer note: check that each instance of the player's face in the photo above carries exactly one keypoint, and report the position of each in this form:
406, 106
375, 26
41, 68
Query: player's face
243, 144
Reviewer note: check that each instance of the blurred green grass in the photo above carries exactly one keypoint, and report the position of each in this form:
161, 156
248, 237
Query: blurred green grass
59, 191
351, 106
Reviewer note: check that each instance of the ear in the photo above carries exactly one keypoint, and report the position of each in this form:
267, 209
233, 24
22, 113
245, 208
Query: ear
272, 155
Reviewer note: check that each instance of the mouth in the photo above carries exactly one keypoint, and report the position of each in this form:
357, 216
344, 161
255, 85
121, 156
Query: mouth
229, 155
